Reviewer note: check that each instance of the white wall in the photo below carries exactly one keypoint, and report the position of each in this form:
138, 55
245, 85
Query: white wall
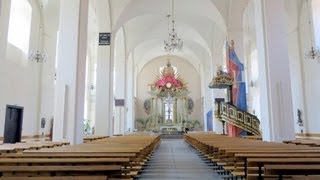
310, 72
296, 77
20, 83
251, 61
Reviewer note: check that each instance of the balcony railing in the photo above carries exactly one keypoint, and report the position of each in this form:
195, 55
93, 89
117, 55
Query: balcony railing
228, 113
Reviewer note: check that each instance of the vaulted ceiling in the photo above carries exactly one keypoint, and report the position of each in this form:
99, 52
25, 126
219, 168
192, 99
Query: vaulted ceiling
201, 24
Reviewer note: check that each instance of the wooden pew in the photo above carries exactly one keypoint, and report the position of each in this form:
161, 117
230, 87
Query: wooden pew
112, 170
91, 138
5, 150
239, 166
63, 161
127, 152
260, 162
136, 148
309, 142
311, 177
19, 147
291, 169
55, 178
222, 150
269, 154
70, 155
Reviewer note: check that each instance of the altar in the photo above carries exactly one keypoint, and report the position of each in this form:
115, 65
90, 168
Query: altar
171, 129
169, 104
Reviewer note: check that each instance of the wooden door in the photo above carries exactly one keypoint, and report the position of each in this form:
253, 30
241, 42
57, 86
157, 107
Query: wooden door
13, 124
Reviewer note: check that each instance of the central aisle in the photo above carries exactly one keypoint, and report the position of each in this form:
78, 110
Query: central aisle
175, 159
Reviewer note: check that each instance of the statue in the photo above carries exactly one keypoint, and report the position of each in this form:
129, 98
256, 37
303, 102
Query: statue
190, 105
147, 106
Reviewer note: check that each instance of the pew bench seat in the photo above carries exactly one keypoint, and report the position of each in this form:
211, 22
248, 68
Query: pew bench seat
55, 178
112, 170
311, 177
64, 161
69, 155
291, 169
261, 162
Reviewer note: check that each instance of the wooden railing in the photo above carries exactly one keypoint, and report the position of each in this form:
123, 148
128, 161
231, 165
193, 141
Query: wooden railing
228, 113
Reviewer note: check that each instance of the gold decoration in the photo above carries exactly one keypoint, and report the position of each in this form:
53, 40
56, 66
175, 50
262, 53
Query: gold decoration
169, 82
228, 113
222, 80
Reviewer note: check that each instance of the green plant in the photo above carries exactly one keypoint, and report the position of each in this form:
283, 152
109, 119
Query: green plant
194, 124
149, 123
143, 123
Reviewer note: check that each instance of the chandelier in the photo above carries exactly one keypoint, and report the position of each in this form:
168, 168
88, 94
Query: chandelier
173, 42
313, 54
38, 56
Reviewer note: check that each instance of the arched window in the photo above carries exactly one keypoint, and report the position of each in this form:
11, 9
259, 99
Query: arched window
20, 24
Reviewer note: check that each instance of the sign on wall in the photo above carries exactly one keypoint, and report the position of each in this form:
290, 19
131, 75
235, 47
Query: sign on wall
104, 39
119, 102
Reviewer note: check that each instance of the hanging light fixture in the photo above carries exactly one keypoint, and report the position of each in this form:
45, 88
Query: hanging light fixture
173, 42
38, 56
314, 53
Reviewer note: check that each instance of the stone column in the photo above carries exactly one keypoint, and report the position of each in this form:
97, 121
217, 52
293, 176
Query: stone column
70, 87
274, 73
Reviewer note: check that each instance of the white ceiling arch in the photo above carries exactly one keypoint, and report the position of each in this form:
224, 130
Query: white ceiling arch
136, 33
183, 56
141, 59
146, 27
203, 8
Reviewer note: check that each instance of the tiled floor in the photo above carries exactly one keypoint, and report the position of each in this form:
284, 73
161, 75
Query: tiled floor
175, 159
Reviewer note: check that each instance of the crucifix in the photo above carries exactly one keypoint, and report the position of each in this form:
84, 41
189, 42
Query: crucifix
169, 113
169, 108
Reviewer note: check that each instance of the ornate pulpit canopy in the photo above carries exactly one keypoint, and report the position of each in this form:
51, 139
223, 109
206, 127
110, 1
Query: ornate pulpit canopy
222, 80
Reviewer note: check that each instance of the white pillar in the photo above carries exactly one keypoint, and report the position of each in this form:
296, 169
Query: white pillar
217, 60
272, 43
104, 91
208, 98
129, 95
70, 87
217, 93
120, 81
